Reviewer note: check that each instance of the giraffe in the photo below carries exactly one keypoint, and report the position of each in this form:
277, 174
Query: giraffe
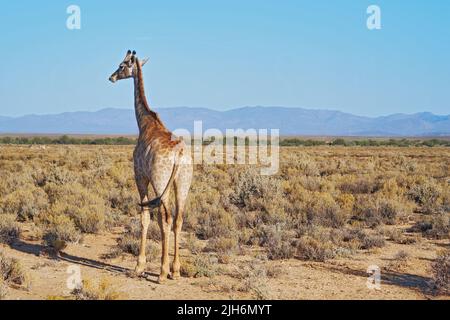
160, 161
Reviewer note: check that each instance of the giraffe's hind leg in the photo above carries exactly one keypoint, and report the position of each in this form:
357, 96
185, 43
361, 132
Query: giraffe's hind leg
159, 182
165, 224
182, 185
142, 185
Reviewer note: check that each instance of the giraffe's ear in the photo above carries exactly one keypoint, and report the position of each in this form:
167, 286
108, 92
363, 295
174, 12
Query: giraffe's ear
144, 61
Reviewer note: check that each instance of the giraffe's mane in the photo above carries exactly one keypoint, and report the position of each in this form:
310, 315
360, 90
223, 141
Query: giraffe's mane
142, 96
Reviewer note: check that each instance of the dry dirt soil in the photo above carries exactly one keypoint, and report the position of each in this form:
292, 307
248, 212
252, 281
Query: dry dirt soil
339, 278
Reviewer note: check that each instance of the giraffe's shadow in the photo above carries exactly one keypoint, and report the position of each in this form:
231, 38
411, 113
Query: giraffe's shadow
415, 282
37, 250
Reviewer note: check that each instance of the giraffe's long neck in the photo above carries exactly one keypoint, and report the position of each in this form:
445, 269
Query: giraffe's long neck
140, 101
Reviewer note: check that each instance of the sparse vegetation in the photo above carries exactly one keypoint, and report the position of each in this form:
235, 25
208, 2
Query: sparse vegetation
201, 265
441, 272
103, 290
12, 273
326, 202
130, 242
399, 262
9, 228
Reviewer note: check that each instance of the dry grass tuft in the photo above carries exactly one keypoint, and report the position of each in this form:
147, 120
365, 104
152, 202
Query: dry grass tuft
103, 290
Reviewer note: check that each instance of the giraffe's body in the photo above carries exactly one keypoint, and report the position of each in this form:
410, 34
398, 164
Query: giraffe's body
160, 161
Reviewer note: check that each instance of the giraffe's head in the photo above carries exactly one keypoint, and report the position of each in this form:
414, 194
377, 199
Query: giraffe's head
127, 68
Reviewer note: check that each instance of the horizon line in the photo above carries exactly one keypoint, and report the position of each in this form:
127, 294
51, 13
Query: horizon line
225, 110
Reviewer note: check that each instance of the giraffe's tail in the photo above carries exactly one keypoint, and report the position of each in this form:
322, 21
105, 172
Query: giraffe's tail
155, 203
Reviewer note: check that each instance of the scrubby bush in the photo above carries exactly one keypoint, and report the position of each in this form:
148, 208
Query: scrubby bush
12, 272
321, 209
426, 193
223, 246
218, 223
309, 248
124, 200
441, 272
398, 236
369, 241
104, 290
363, 238
262, 194
130, 244
193, 244
390, 211
59, 230
436, 226
9, 228
278, 242
201, 265
361, 185
346, 202
254, 276
307, 165
57, 175
154, 231
399, 262
26, 202
379, 210
86, 209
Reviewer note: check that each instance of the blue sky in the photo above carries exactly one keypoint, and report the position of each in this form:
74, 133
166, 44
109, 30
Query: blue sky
226, 54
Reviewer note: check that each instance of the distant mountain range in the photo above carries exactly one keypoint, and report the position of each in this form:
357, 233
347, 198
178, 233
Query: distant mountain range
290, 121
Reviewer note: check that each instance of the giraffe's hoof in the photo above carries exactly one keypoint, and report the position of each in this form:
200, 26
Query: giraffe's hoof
162, 279
139, 270
175, 275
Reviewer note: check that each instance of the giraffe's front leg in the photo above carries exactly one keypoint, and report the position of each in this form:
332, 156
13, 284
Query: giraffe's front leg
142, 259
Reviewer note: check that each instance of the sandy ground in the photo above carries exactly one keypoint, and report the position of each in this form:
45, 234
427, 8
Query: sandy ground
341, 278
